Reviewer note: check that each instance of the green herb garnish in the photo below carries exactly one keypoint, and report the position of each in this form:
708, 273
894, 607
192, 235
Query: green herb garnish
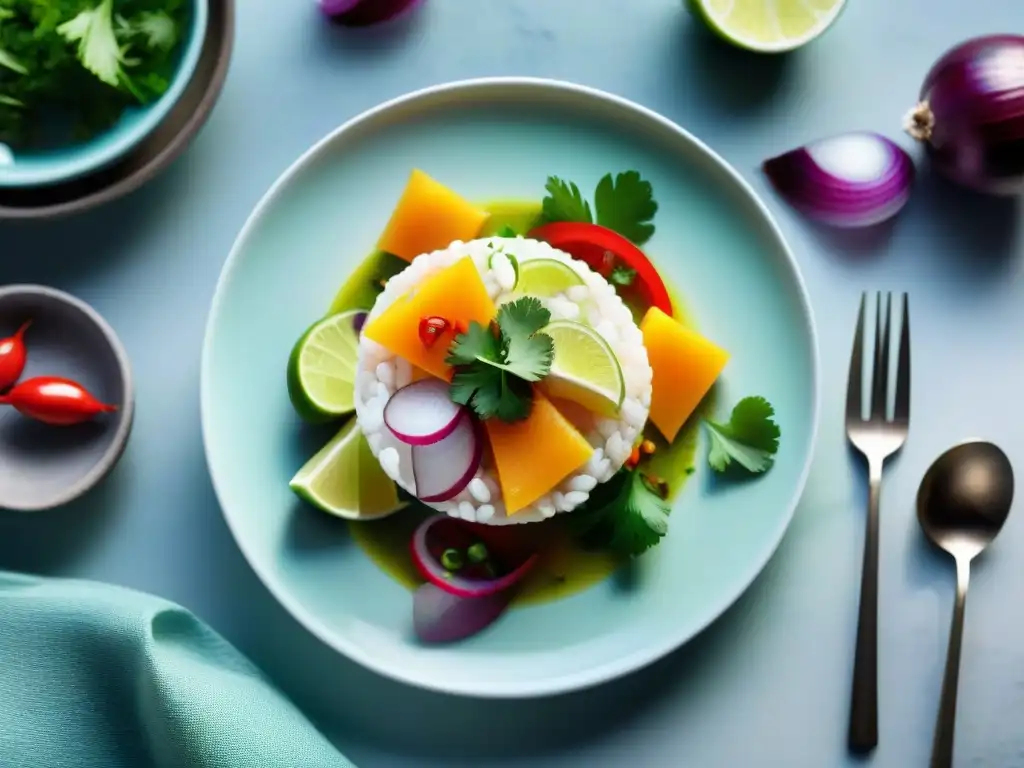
90, 59
495, 365
750, 438
624, 203
565, 202
627, 517
622, 276
506, 231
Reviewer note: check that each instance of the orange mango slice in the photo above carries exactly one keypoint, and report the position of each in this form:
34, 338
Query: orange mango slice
685, 365
533, 455
456, 293
428, 217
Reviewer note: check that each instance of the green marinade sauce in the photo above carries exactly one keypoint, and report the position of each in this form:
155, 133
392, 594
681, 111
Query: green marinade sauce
564, 568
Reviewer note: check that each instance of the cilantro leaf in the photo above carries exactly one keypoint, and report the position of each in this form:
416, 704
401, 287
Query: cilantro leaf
98, 48
750, 438
623, 515
527, 354
565, 202
622, 275
626, 205
495, 365
477, 344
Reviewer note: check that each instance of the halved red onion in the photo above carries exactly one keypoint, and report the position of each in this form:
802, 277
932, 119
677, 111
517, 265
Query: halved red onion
442, 469
851, 180
360, 13
971, 114
503, 569
443, 617
422, 413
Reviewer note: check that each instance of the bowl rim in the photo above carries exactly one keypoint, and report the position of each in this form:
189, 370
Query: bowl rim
125, 176
466, 89
119, 442
91, 160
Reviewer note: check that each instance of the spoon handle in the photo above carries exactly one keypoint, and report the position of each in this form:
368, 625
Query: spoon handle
863, 732
945, 724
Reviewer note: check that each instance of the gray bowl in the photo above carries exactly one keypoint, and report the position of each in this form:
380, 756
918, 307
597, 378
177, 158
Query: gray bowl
43, 466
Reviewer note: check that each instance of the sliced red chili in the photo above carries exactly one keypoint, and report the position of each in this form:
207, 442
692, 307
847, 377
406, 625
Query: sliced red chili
602, 250
12, 356
431, 329
54, 400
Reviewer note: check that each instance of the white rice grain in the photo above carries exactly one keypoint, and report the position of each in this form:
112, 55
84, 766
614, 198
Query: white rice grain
479, 491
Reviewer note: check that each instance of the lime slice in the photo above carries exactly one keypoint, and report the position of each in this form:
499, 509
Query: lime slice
345, 479
769, 26
322, 368
545, 277
585, 369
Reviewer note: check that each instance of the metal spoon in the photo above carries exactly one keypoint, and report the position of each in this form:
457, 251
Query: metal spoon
963, 501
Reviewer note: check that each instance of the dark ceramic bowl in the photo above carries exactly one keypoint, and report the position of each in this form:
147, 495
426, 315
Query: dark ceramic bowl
42, 466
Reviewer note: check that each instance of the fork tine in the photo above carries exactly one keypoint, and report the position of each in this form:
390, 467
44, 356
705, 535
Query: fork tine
880, 377
901, 412
854, 398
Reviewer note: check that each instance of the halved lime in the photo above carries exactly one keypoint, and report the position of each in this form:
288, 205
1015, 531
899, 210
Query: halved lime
768, 26
545, 277
585, 369
345, 479
322, 368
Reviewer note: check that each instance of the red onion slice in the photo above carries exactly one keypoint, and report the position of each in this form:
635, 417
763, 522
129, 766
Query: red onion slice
852, 180
442, 617
422, 413
442, 469
440, 532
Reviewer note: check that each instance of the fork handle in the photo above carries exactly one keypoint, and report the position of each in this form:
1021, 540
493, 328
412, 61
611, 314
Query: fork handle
863, 733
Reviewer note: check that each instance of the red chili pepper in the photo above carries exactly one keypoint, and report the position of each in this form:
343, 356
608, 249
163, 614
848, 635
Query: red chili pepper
12, 356
54, 400
431, 329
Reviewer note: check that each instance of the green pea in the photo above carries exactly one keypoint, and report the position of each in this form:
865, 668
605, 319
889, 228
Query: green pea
477, 552
452, 559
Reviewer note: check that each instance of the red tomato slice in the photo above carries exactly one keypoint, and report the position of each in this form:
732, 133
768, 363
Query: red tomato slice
602, 249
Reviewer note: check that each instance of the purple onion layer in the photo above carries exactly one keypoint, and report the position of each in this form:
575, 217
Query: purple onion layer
855, 179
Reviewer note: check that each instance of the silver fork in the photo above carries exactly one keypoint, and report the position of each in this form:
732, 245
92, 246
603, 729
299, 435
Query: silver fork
878, 437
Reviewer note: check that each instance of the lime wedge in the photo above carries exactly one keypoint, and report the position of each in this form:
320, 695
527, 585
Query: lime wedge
322, 368
585, 369
345, 479
544, 278
769, 26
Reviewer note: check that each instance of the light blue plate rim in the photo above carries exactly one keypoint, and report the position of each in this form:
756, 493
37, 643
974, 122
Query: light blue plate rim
110, 146
463, 92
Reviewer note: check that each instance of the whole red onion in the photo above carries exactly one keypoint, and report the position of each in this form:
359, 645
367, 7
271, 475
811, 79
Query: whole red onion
361, 13
971, 114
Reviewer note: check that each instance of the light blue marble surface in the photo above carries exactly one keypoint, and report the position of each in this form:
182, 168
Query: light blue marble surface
768, 684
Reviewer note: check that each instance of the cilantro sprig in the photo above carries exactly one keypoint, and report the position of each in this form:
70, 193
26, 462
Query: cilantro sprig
750, 437
496, 365
626, 515
89, 58
624, 203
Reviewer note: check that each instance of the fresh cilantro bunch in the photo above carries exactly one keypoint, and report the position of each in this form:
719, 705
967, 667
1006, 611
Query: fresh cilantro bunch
624, 204
750, 437
86, 59
625, 515
496, 365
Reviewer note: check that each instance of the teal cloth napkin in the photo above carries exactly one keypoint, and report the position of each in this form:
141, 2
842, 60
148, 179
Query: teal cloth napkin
96, 676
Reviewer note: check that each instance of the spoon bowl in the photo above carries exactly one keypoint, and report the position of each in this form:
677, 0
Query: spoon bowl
964, 499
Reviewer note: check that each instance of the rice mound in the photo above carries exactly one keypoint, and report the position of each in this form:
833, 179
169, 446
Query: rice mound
379, 374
